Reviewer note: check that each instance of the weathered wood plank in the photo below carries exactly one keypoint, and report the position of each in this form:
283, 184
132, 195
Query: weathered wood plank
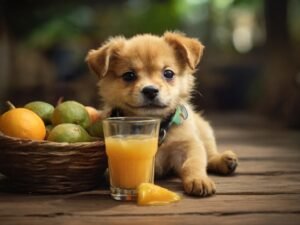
238, 184
96, 204
253, 184
263, 136
259, 138
266, 152
242, 120
188, 219
267, 167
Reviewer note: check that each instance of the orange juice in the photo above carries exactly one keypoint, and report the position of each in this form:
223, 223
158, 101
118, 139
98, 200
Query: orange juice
130, 159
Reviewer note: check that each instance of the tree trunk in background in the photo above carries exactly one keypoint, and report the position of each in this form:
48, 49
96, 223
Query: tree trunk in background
281, 90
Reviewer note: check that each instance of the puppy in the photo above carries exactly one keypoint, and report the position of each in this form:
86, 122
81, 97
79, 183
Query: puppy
149, 75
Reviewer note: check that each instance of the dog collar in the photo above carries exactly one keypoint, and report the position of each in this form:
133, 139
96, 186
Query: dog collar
176, 118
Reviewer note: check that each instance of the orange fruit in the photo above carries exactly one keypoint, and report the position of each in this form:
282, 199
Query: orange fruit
94, 114
22, 123
151, 194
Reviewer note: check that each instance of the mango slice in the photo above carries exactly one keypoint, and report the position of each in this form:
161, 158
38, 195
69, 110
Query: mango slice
151, 194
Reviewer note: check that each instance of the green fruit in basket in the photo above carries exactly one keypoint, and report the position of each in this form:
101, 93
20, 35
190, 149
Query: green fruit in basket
48, 129
96, 129
42, 109
71, 112
69, 132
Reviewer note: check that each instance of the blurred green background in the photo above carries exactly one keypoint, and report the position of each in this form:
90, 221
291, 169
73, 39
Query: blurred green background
251, 60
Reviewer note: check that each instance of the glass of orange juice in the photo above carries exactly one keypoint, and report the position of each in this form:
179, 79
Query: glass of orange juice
131, 144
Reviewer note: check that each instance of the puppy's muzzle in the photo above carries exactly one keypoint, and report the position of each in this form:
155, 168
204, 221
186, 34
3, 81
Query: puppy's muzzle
150, 92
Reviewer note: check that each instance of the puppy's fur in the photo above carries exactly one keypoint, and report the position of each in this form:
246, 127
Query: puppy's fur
126, 67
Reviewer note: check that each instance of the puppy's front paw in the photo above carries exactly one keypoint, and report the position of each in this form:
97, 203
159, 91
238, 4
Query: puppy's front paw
201, 186
228, 162
224, 163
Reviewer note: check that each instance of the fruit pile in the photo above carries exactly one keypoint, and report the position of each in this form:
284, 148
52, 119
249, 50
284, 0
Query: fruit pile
69, 122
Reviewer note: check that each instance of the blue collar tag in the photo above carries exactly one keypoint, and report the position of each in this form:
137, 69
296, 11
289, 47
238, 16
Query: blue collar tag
180, 115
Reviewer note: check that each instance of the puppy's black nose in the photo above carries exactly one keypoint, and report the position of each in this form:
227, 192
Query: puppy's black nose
150, 92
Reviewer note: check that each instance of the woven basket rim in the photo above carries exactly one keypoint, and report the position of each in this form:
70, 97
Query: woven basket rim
50, 143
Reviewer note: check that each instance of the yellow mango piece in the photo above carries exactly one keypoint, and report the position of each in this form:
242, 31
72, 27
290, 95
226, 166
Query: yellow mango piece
151, 194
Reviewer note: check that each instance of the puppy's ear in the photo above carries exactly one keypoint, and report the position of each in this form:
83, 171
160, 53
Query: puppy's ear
189, 49
99, 60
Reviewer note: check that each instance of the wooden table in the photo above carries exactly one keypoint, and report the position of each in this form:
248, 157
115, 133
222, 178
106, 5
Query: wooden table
265, 189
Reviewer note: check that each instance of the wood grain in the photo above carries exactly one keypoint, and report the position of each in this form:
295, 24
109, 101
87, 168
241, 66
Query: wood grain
99, 205
190, 219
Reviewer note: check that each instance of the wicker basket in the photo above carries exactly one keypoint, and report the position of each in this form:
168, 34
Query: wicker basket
49, 167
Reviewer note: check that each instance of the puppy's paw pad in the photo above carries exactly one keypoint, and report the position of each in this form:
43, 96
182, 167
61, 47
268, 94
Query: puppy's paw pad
201, 187
230, 161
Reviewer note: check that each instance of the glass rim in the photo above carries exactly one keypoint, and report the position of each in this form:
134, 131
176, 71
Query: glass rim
132, 119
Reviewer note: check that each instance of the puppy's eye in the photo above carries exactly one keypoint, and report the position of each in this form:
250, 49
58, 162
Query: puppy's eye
169, 74
129, 76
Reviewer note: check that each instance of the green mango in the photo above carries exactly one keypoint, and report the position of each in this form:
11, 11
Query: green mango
42, 109
96, 129
68, 132
71, 112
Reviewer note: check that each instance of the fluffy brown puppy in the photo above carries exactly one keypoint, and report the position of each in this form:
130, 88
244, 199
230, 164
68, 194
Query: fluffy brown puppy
148, 75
